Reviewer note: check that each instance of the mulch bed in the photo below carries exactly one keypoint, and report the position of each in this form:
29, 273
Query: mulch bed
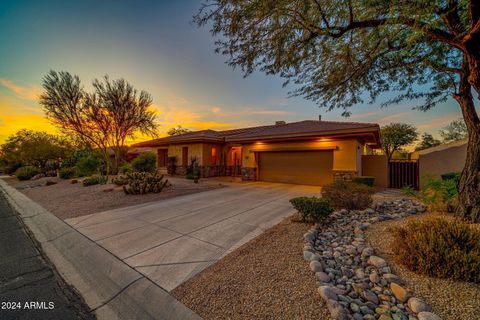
450, 299
267, 278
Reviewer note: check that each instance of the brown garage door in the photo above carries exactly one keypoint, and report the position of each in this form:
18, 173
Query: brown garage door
300, 167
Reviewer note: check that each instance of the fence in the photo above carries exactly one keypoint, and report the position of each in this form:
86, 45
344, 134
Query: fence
403, 173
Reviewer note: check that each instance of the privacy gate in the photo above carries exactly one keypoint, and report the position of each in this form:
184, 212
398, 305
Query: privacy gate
403, 173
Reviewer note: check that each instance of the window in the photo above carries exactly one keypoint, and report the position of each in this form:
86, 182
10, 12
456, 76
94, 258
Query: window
185, 156
162, 158
213, 159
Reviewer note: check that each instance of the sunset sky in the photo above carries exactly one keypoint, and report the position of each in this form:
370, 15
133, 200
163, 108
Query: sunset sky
153, 45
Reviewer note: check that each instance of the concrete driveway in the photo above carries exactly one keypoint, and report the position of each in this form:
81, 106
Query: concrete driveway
171, 240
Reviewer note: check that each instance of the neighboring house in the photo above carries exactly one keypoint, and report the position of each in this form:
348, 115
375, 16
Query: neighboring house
305, 152
445, 158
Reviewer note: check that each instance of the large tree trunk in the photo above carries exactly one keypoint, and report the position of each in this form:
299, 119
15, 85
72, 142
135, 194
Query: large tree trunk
469, 184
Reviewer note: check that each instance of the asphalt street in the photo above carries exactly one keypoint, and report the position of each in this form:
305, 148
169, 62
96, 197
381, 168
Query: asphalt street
30, 288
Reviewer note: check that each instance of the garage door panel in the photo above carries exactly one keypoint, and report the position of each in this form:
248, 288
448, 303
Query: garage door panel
300, 167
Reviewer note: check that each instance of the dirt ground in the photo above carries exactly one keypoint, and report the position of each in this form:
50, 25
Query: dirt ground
67, 200
450, 299
267, 278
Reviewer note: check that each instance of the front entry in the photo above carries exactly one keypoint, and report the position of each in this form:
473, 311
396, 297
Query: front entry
298, 167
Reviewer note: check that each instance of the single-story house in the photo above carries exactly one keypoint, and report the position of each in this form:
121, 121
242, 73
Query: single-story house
306, 152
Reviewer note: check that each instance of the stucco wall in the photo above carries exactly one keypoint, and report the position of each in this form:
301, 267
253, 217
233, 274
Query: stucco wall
194, 150
376, 166
345, 157
443, 161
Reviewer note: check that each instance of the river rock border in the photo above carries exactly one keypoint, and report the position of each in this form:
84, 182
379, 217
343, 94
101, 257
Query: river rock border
353, 282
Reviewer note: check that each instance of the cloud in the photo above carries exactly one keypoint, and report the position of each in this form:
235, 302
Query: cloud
438, 122
393, 117
216, 110
27, 93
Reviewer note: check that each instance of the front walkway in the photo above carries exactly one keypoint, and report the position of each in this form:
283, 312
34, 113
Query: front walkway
169, 241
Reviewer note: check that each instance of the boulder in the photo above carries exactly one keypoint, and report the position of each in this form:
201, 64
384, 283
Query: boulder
322, 276
377, 262
370, 296
327, 293
316, 266
418, 305
399, 292
425, 315
390, 277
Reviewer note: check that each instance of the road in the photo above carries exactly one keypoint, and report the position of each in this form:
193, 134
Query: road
29, 287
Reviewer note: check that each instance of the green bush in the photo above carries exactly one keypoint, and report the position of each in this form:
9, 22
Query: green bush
409, 191
72, 160
312, 209
348, 195
90, 181
120, 180
451, 176
146, 162
126, 168
440, 247
440, 195
144, 182
66, 173
366, 180
87, 165
27, 172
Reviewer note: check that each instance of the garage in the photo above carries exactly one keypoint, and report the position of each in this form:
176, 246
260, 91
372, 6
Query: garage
298, 167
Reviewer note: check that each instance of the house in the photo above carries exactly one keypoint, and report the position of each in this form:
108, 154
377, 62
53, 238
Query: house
306, 152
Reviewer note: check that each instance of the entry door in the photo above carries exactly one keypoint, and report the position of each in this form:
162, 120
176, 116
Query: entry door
298, 167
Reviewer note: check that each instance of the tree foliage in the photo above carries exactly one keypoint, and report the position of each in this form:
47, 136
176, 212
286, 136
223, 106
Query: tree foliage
104, 118
427, 141
456, 130
34, 148
394, 136
178, 130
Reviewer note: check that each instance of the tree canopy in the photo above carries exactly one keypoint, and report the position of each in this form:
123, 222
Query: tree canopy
394, 136
427, 141
454, 131
104, 118
178, 130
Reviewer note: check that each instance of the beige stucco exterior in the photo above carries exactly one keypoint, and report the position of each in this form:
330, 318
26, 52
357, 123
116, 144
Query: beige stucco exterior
376, 166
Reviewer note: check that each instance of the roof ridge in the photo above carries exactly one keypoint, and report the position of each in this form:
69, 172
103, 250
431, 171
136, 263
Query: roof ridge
343, 122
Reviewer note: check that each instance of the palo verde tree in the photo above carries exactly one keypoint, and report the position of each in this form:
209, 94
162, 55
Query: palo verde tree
340, 53
394, 136
454, 131
175, 131
427, 141
104, 118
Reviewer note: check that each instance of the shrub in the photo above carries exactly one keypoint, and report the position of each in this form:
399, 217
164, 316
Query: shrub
451, 176
440, 195
90, 181
146, 162
440, 247
120, 180
66, 173
312, 209
27, 172
87, 165
348, 195
409, 191
366, 180
126, 168
144, 182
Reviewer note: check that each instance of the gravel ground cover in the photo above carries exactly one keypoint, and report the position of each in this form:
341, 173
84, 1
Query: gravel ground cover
67, 200
267, 278
451, 300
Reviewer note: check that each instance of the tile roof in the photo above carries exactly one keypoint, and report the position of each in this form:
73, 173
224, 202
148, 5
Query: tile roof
285, 130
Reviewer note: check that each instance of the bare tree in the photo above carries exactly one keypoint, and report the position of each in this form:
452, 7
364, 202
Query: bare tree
104, 118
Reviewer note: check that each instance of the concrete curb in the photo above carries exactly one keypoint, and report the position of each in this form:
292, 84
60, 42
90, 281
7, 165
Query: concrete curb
111, 288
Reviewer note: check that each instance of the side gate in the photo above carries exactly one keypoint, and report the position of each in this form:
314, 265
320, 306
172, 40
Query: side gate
403, 173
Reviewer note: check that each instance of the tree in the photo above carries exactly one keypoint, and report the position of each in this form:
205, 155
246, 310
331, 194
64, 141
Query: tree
104, 118
394, 136
34, 148
339, 53
178, 130
427, 141
456, 130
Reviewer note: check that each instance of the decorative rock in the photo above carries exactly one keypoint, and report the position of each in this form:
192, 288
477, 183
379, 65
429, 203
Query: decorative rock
336, 310
316, 266
374, 277
327, 293
385, 317
393, 278
377, 262
309, 256
418, 305
347, 272
322, 276
399, 292
366, 310
370, 296
50, 183
357, 316
354, 307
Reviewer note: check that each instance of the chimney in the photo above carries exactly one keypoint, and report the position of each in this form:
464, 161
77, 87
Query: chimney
280, 123
319, 117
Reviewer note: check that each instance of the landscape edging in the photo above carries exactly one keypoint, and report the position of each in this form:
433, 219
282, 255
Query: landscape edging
111, 288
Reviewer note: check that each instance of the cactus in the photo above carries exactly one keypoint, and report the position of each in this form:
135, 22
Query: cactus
144, 182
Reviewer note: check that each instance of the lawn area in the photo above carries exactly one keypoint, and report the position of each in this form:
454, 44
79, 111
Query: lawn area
67, 200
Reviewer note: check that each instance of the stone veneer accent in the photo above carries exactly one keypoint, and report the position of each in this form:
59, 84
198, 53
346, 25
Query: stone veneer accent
346, 175
249, 174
